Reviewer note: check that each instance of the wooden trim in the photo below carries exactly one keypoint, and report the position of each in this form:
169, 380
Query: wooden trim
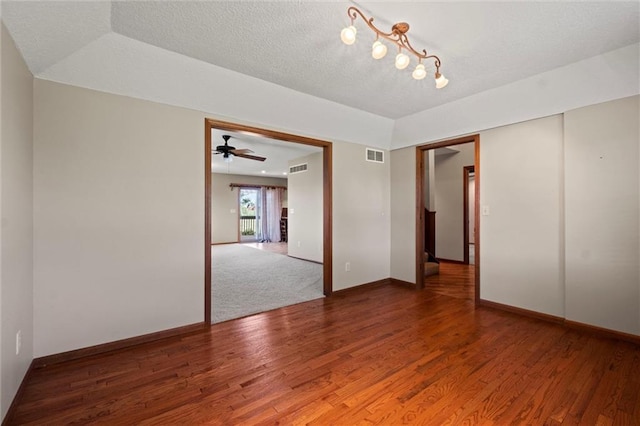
457, 262
420, 149
420, 219
363, 287
521, 311
591, 329
251, 185
207, 223
120, 344
327, 221
466, 171
327, 193
476, 221
18, 396
603, 332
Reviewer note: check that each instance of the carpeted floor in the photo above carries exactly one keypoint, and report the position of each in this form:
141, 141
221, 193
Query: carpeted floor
246, 281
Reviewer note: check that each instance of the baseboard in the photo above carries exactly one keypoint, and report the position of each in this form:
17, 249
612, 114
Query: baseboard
592, 329
457, 262
12, 408
402, 283
521, 311
118, 344
362, 287
603, 332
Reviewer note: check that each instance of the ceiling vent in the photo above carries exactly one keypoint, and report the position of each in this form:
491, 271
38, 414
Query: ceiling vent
298, 168
375, 155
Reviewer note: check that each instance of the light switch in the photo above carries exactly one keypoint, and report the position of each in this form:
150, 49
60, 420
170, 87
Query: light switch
233, 210
485, 210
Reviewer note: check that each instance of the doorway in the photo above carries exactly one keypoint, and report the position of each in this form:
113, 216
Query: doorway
468, 210
326, 147
249, 218
421, 216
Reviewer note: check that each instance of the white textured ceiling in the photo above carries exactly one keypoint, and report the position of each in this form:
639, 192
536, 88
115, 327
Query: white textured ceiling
296, 44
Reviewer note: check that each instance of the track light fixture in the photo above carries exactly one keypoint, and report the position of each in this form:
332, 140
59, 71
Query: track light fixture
398, 36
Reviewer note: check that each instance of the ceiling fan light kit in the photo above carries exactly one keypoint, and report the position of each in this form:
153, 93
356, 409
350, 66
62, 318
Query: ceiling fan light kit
398, 36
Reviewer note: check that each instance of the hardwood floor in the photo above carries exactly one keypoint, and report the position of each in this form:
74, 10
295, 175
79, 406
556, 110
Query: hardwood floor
380, 355
455, 280
280, 248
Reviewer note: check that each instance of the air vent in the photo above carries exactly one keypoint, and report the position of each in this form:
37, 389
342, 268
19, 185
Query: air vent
298, 168
375, 155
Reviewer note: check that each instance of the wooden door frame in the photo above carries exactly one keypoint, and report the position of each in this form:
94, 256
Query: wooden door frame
327, 202
420, 220
466, 171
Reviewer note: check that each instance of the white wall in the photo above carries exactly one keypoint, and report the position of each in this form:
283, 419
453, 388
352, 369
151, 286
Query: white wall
224, 203
521, 238
602, 221
361, 210
449, 194
602, 78
118, 225
304, 197
403, 214
16, 208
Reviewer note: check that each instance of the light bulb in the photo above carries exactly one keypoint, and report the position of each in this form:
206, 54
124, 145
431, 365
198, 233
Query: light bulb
402, 61
419, 73
378, 50
348, 35
441, 81
227, 158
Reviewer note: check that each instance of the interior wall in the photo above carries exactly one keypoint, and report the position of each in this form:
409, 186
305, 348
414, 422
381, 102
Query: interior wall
449, 200
604, 77
403, 214
305, 209
522, 218
361, 211
602, 220
118, 225
471, 202
16, 209
224, 203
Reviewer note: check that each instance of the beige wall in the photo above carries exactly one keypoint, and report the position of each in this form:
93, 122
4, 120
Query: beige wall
602, 220
449, 203
361, 211
16, 208
305, 209
521, 238
118, 190
403, 214
224, 203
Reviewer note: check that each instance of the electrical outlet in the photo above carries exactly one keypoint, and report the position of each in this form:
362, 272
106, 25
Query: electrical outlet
347, 266
18, 342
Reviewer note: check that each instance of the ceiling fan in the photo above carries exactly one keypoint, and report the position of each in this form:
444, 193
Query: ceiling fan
227, 151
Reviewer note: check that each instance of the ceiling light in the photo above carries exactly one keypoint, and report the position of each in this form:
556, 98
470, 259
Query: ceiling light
402, 61
378, 50
441, 81
348, 35
284, 173
398, 35
227, 158
263, 172
419, 73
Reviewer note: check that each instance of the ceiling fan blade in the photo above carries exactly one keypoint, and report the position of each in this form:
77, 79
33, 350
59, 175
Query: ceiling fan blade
240, 151
251, 157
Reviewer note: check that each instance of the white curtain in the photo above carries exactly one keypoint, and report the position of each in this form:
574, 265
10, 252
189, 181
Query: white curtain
270, 212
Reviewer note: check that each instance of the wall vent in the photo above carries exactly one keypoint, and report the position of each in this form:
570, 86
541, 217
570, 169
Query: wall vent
298, 168
375, 155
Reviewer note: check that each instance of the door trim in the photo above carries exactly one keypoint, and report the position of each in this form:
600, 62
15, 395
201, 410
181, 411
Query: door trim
327, 202
466, 171
420, 219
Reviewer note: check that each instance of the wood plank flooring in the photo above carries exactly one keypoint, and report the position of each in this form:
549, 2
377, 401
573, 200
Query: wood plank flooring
382, 355
455, 280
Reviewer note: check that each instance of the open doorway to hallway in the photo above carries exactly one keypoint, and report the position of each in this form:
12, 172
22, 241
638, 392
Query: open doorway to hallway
447, 230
